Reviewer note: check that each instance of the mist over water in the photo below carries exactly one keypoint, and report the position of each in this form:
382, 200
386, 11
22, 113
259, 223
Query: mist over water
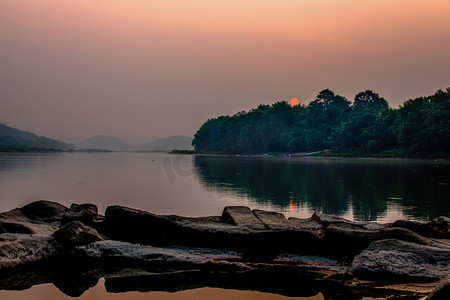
202, 185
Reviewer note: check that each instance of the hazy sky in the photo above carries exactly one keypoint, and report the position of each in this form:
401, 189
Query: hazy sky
77, 68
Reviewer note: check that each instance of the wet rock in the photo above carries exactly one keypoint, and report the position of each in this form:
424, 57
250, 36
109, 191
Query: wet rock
395, 260
76, 233
242, 216
43, 211
85, 213
442, 291
21, 249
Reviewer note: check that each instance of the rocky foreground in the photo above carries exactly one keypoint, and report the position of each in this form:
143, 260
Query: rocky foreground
134, 250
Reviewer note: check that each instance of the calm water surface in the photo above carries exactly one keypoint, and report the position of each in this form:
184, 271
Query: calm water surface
360, 189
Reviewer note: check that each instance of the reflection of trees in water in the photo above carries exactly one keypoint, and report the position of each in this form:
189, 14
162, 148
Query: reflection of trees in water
333, 186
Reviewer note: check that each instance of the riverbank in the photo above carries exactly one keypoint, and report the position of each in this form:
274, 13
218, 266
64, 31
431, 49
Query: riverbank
243, 249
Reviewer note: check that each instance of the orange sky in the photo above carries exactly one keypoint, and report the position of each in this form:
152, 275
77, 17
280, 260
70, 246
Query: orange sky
78, 68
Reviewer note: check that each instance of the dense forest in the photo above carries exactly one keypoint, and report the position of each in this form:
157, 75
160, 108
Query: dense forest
12, 139
368, 126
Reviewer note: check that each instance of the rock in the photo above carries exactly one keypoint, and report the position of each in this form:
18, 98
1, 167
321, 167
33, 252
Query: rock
242, 216
327, 220
440, 227
85, 213
14, 226
148, 257
133, 225
395, 260
436, 228
15, 221
45, 212
260, 234
136, 226
310, 224
273, 220
20, 249
8, 226
76, 233
15, 214
350, 239
442, 291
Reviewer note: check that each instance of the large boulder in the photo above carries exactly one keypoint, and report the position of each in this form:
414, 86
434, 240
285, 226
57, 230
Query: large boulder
396, 260
85, 213
46, 212
76, 233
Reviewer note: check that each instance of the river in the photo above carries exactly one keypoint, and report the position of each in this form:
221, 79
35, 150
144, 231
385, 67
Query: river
200, 185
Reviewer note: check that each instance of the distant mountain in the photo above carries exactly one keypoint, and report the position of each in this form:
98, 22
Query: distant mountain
104, 142
178, 142
15, 139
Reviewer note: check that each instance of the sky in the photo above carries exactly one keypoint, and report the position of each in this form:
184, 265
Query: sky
141, 68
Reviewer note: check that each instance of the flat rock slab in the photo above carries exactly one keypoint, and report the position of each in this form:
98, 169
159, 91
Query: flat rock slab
400, 260
242, 216
273, 220
149, 257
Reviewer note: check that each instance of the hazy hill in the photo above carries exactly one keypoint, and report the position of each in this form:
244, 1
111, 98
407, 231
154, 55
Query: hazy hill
15, 139
170, 143
104, 142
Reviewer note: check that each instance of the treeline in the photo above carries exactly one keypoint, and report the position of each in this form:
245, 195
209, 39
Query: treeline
419, 128
12, 139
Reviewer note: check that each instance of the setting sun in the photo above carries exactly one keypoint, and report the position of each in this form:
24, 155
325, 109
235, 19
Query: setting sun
294, 102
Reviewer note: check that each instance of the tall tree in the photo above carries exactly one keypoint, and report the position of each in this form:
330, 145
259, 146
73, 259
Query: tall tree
369, 100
